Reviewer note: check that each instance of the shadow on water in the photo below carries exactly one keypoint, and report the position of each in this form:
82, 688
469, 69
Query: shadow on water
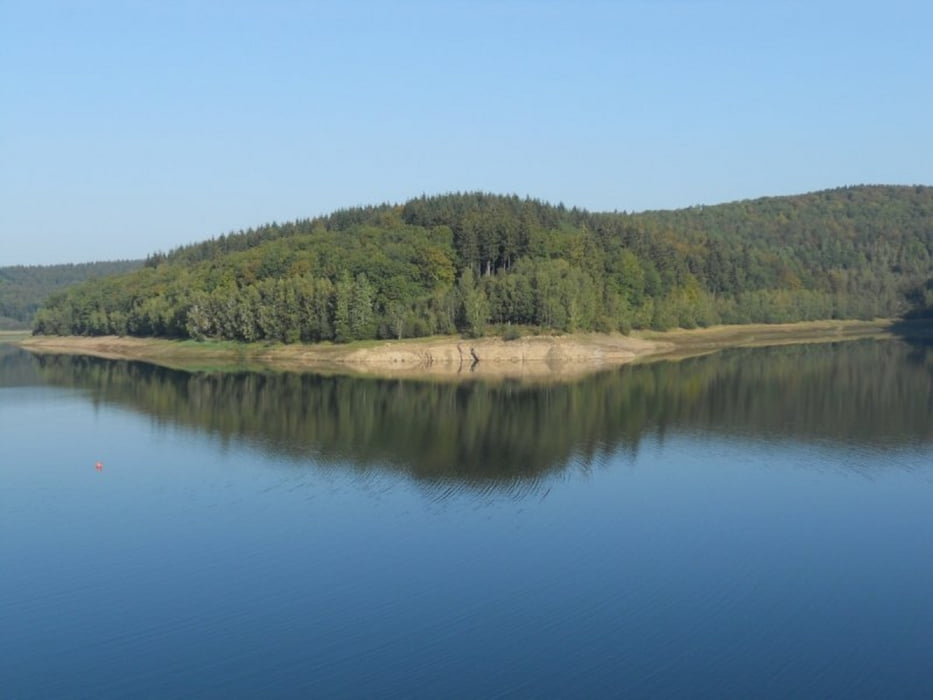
915, 330
484, 434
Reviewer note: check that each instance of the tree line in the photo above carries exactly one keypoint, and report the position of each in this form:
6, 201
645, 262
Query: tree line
23, 288
477, 263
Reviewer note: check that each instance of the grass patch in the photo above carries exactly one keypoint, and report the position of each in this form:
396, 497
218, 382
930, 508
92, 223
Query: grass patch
14, 336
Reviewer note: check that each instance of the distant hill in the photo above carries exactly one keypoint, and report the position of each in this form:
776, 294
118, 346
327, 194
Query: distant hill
23, 289
477, 263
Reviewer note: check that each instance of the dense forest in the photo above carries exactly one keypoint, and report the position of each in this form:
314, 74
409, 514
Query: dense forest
477, 263
24, 288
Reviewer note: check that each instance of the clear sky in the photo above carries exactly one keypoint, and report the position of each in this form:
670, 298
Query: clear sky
131, 127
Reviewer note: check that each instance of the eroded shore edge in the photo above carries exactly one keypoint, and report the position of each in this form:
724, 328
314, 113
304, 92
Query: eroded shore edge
536, 357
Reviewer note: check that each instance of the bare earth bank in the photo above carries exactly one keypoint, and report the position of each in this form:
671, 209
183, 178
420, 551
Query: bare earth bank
532, 357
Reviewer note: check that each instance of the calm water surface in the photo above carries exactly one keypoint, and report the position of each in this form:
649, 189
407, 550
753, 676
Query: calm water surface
753, 523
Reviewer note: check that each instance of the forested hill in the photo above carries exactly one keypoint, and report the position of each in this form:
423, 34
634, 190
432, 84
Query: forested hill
24, 288
479, 263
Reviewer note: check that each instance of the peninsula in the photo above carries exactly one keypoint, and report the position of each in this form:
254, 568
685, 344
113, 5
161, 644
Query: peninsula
472, 280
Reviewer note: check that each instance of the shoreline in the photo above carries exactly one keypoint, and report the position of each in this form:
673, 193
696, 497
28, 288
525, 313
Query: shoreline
542, 357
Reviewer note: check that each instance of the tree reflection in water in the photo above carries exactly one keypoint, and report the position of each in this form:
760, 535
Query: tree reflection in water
486, 434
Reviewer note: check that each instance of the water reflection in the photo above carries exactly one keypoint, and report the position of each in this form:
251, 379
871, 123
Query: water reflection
874, 393
17, 368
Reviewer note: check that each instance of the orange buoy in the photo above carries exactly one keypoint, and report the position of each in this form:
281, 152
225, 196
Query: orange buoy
99, 466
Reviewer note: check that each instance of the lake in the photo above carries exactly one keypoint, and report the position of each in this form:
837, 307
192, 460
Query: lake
753, 523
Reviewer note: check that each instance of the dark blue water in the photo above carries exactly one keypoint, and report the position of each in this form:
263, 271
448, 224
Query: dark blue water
750, 524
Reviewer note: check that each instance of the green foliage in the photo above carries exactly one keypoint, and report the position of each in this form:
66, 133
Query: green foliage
23, 289
461, 262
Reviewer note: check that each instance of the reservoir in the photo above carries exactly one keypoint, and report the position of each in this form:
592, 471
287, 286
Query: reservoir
752, 523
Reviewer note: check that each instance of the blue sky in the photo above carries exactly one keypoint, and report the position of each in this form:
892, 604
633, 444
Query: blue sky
131, 127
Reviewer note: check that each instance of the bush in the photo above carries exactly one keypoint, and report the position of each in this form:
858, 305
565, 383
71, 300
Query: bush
511, 333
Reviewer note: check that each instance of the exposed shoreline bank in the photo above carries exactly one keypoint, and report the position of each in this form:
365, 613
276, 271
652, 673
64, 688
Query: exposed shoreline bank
541, 357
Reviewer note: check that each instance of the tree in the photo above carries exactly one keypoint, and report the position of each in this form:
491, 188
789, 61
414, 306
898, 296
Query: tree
476, 310
397, 314
475, 304
343, 293
361, 309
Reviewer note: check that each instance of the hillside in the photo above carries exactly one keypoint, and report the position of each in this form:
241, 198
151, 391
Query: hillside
477, 262
24, 288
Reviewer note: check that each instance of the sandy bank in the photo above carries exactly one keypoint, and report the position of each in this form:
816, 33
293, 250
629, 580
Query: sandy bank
532, 357
535, 356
